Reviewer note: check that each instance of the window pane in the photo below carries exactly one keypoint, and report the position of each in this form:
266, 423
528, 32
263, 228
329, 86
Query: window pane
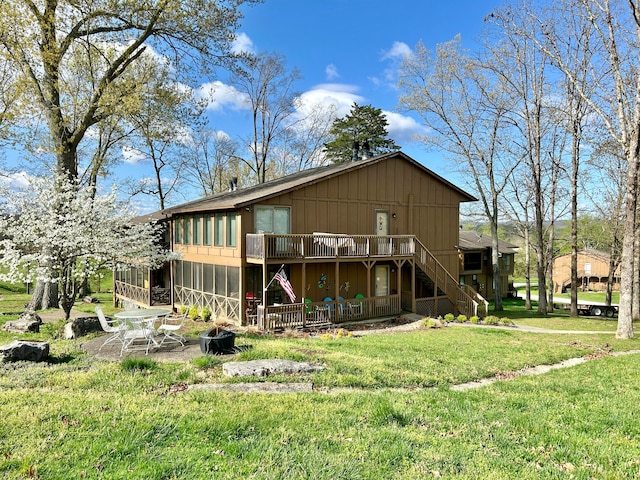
186, 230
281, 220
219, 230
231, 229
197, 221
206, 230
264, 219
177, 235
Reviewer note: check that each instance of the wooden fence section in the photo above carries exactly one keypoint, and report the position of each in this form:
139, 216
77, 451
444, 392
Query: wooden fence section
324, 245
126, 292
325, 314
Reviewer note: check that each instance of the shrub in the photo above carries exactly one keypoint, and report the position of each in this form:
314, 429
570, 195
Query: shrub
182, 309
474, 319
430, 322
205, 314
194, 312
461, 318
505, 321
449, 317
491, 320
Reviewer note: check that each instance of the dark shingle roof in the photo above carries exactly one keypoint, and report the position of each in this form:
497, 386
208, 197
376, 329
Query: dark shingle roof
472, 240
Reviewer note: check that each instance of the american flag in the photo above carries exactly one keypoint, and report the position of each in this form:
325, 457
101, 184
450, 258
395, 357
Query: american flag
284, 282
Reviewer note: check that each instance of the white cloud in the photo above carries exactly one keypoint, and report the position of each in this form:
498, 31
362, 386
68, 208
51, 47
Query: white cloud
336, 95
242, 44
403, 128
398, 51
131, 155
219, 95
331, 72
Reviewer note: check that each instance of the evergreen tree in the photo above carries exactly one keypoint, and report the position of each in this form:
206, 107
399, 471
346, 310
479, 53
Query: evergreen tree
362, 130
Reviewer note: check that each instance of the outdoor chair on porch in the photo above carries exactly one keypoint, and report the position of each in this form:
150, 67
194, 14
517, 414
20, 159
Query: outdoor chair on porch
170, 326
114, 327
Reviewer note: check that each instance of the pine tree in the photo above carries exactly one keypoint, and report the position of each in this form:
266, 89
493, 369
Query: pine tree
361, 133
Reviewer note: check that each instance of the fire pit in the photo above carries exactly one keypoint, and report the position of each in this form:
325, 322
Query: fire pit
217, 341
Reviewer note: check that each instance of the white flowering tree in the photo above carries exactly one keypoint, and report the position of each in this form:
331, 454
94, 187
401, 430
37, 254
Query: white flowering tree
60, 234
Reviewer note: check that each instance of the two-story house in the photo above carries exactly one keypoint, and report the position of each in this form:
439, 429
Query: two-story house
593, 271
355, 240
476, 267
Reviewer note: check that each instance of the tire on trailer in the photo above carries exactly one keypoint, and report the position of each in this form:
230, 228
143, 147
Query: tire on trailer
610, 312
597, 311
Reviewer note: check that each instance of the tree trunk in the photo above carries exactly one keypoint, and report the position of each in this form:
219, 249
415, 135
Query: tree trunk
45, 295
627, 271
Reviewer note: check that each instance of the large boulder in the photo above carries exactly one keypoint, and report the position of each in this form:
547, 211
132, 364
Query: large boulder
81, 326
23, 350
29, 321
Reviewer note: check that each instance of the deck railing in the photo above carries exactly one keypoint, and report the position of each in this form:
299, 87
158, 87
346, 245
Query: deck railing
268, 246
326, 314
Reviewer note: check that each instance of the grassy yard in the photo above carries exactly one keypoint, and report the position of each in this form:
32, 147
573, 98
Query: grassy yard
382, 408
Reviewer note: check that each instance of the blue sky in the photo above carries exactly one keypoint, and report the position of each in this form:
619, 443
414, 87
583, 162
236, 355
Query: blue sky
346, 51
350, 50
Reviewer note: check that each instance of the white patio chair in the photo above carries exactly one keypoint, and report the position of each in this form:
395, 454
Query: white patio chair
115, 327
170, 326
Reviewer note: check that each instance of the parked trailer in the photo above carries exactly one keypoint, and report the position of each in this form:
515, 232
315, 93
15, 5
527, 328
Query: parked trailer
591, 309
597, 310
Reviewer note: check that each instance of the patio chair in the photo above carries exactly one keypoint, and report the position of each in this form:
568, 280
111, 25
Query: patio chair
170, 326
115, 327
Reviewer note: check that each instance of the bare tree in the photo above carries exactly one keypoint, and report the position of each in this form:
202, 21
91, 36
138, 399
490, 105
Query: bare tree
466, 107
269, 89
615, 98
212, 160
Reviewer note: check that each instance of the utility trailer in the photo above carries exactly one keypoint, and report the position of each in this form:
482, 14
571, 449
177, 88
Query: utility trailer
597, 310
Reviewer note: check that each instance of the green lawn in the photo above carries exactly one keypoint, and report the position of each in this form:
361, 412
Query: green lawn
383, 408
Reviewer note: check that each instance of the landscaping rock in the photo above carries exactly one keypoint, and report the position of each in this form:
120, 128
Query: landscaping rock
28, 322
90, 299
264, 368
23, 350
79, 327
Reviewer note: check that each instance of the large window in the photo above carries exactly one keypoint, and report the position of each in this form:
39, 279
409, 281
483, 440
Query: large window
472, 261
186, 230
273, 219
177, 231
197, 225
206, 230
219, 230
231, 229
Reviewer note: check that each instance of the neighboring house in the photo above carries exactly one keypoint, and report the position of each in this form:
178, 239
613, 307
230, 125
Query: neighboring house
356, 240
476, 269
593, 271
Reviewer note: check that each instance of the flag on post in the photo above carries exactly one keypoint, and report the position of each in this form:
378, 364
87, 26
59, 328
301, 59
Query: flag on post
284, 282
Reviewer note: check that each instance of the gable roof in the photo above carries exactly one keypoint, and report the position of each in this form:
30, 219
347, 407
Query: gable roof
472, 240
242, 197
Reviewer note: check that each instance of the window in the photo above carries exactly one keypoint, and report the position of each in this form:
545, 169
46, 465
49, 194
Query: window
177, 231
231, 229
206, 230
273, 219
197, 222
186, 230
219, 230
472, 261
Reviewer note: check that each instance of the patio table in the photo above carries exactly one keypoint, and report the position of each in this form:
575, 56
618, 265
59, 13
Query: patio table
140, 324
